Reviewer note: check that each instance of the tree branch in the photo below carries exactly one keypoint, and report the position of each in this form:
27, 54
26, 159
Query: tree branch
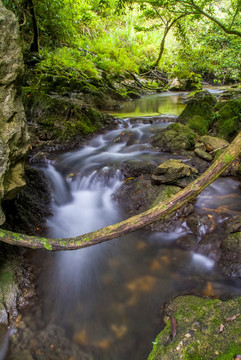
229, 31
136, 222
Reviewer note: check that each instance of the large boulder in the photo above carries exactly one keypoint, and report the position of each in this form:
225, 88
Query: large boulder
199, 112
13, 133
174, 172
228, 119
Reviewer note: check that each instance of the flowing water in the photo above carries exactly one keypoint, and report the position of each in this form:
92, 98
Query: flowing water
103, 302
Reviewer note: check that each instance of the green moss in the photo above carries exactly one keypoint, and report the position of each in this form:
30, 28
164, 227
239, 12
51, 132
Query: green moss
45, 243
2, 234
60, 119
202, 105
7, 276
166, 192
198, 330
199, 124
227, 129
175, 137
228, 158
228, 118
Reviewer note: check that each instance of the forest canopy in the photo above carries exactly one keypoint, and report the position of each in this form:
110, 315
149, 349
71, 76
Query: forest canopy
135, 35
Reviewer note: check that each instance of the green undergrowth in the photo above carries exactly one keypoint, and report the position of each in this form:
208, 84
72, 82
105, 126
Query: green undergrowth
54, 75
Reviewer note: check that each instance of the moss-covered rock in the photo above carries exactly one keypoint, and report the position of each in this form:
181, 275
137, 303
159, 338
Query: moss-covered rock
185, 81
174, 137
199, 328
15, 287
199, 112
9, 292
60, 120
174, 172
228, 118
199, 124
98, 91
203, 154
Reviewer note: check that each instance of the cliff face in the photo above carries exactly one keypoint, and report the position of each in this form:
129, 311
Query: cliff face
13, 130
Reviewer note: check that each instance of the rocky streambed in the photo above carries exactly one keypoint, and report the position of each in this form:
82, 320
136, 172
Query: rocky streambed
121, 173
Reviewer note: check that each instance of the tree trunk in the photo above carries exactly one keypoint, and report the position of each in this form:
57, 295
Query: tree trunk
34, 47
136, 222
166, 31
162, 46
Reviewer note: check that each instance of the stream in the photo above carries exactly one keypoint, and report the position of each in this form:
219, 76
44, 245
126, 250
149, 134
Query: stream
103, 302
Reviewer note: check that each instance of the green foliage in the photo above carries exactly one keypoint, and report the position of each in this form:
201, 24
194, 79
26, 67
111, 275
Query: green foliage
103, 35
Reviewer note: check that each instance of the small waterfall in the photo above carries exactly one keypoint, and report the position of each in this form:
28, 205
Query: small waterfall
88, 206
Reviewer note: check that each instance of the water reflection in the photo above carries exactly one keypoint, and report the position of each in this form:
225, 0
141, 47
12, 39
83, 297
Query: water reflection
165, 103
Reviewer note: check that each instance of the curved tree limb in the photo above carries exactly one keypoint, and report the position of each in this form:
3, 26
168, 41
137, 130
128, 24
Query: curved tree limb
136, 222
192, 5
168, 26
218, 22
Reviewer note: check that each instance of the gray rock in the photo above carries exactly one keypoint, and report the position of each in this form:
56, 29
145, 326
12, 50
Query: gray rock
213, 143
13, 133
230, 260
137, 168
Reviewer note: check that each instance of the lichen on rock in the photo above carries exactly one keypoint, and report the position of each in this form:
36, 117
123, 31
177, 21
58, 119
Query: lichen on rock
174, 172
13, 131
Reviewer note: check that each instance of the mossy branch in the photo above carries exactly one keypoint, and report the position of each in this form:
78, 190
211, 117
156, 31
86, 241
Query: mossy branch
136, 222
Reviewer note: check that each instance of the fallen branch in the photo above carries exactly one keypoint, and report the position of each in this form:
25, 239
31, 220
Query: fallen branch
136, 222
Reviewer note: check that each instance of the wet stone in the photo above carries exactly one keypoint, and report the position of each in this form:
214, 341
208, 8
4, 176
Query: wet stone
174, 172
137, 168
230, 259
203, 154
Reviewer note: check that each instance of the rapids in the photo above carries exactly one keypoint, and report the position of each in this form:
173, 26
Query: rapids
106, 299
